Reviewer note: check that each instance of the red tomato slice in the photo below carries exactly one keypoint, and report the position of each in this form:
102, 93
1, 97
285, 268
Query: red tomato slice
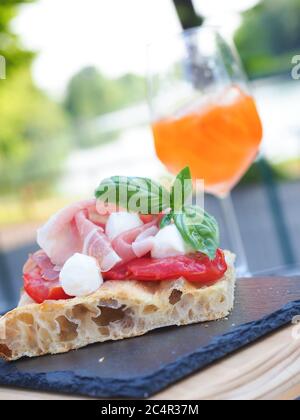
40, 290
146, 218
194, 267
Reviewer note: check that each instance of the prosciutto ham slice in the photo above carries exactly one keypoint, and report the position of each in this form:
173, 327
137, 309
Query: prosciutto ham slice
144, 242
42, 262
136, 242
59, 236
41, 279
79, 228
48, 271
70, 231
95, 242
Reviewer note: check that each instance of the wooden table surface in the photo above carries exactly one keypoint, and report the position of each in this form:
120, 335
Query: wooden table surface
268, 369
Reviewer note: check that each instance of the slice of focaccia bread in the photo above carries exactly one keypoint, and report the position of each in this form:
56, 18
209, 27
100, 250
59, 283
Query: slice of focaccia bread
119, 309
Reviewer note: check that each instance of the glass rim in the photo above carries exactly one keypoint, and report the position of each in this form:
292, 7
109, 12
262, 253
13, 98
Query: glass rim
162, 42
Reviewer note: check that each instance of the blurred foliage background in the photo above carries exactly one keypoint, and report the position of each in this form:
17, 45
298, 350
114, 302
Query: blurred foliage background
90, 94
269, 37
37, 133
33, 129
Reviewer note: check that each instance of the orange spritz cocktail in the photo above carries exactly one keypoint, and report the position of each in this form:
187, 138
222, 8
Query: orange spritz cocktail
218, 139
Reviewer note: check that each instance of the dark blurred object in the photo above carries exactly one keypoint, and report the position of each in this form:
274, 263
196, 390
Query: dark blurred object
196, 66
277, 212
263, 171
8, 293
283, 271
187, 14
269, 37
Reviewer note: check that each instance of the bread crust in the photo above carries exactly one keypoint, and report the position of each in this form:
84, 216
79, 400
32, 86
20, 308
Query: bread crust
119, 309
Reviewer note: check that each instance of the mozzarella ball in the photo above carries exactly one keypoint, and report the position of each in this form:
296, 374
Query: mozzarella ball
81, 276
120, 222
169, 243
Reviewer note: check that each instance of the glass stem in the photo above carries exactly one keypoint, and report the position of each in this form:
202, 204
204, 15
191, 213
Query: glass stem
234, 235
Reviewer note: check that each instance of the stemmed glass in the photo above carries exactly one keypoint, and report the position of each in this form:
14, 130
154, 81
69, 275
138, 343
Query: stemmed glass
203, 116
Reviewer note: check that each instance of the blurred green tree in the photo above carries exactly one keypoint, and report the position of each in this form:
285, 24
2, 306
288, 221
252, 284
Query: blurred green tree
90, 94
33, 129
10, 46
269, 36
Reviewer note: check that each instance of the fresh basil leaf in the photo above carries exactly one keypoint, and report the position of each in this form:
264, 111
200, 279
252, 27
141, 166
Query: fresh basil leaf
182, 189
166, 220
141, 195
198, 229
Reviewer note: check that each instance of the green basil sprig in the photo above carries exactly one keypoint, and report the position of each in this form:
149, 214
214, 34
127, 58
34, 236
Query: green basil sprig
166, 220
134, 192
181, 190
197, 228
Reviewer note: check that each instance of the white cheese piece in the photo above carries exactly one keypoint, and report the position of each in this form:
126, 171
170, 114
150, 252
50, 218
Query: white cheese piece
81, 275
169, 243
120, 222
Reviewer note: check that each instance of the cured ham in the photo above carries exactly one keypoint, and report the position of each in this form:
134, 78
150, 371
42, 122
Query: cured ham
144, 242
79, 228
59, 237
137, 240
41, 262
95, 242
48, 271
41, 279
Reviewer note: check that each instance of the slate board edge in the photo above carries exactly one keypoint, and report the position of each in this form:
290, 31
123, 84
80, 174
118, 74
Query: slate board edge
67, 382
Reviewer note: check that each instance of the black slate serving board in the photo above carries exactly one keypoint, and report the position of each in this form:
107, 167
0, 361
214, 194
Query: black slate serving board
142, 366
